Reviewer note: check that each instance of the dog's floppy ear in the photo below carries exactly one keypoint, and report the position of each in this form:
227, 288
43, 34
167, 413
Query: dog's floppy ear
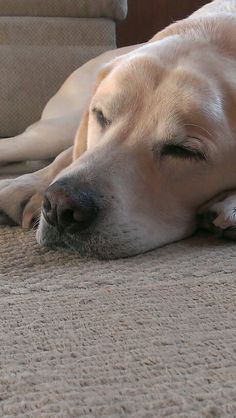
80, 144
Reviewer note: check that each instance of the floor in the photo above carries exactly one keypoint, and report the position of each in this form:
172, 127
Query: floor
151, 336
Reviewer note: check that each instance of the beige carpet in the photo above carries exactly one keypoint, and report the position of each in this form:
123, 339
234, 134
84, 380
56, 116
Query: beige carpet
151, 336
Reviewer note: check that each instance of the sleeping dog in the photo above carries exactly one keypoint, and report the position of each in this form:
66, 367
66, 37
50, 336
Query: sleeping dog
144, 141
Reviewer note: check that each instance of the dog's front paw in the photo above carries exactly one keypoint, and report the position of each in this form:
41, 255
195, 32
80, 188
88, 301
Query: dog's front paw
220, 216
20, 200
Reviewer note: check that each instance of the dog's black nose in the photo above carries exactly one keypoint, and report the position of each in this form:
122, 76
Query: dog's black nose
69, 209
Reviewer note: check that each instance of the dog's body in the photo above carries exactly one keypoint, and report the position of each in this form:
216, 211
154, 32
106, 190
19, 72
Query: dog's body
158, 142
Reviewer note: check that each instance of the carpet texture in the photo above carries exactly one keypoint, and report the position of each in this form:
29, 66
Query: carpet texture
150, 336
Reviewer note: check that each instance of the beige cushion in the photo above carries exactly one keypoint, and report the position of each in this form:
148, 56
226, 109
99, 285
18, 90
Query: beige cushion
115, 9
37, 55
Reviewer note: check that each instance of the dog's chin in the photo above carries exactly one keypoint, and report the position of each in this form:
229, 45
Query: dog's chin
92, 245
107, 243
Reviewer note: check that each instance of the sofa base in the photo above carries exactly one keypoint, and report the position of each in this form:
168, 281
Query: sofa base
37, 55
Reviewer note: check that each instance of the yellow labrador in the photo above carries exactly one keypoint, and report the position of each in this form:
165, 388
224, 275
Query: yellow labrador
155, 147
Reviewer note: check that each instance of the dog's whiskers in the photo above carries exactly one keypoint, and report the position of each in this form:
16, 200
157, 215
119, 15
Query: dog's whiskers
35, 224
35, 217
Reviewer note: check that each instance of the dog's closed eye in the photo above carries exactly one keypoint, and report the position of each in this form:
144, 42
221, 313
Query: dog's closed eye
181, 151
101, 119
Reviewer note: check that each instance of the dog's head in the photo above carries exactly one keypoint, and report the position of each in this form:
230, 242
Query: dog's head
152, 147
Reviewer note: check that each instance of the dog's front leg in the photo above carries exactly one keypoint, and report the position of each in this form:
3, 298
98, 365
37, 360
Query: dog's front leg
43, 140
21, 198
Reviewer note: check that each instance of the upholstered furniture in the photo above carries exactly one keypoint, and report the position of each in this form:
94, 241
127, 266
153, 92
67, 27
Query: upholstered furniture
41, 43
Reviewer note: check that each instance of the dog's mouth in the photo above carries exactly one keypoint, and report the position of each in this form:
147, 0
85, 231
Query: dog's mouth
93, 244
109, 239
81, 220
